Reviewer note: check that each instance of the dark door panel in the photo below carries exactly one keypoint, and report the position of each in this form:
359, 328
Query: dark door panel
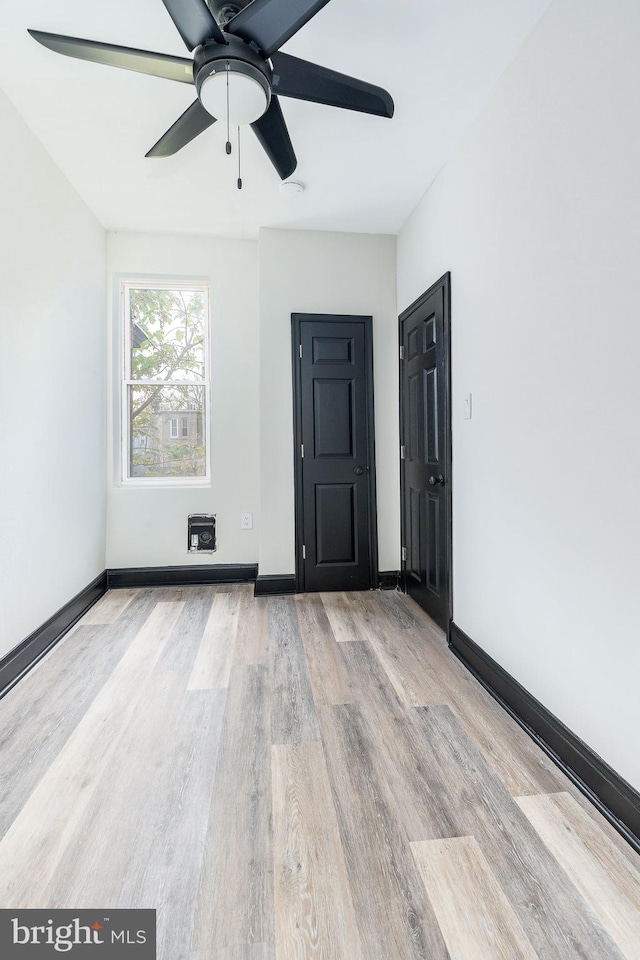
426, 466
335, 501
333, 418
336, 523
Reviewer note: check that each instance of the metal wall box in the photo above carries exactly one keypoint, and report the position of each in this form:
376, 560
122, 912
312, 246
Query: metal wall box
201, 533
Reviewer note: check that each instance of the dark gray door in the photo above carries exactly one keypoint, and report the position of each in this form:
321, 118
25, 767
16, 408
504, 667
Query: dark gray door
426, 451
335, 526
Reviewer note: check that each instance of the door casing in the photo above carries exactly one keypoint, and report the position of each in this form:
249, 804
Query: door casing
296, 320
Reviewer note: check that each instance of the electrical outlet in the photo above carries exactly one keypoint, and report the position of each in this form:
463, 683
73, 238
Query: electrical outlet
246, 521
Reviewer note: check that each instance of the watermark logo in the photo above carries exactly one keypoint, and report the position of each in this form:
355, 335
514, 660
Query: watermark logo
78, 934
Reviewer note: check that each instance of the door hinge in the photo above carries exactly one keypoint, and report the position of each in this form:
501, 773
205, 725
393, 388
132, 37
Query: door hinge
300, 351
404, 554
302, 450
402, 452
304, 552
402, 353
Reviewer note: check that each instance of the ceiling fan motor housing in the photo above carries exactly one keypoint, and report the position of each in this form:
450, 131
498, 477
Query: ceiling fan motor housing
232, 77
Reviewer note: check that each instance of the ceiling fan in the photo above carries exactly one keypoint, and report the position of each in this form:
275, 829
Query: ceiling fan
237, 70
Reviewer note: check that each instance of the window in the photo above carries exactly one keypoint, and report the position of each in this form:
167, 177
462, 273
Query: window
173, 428
165, 407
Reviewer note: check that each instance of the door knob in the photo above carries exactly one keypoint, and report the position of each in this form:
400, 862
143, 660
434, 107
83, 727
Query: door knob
434, 480
358, 471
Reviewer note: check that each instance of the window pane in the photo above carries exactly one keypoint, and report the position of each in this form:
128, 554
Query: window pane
155, 448
167, 334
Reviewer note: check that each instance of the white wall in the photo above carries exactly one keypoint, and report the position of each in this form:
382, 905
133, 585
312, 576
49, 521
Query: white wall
146, 526
312, 272
52, 383
538, 219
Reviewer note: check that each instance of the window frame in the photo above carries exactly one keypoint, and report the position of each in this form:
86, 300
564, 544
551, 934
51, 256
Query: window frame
125, 381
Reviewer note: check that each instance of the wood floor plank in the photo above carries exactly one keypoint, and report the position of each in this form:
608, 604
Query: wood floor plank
243, 951
424, 673
400, 757
345, 622
293, 714
623, 850
252, 638
98, 864
213, 663
173, 840
38, 838
404, 614
592, 863
245, 591
39, 715
474, 915
196, 608
109, 607
553, 915
171, 594
395, 918
407, 659
512, 754
327, 673
363, 613
149, 853
314, 915
234, 904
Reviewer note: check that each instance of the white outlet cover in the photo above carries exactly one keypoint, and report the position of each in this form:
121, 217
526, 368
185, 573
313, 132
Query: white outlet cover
246, 521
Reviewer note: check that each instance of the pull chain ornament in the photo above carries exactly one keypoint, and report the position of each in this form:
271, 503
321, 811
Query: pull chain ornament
228, 147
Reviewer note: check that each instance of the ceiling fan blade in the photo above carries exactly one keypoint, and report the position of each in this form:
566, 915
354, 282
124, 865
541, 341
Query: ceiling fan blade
193, 121
270, 23
141, 61
194, 21
308, 81
271, 131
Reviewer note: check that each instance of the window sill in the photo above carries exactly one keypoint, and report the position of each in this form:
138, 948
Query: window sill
162, 484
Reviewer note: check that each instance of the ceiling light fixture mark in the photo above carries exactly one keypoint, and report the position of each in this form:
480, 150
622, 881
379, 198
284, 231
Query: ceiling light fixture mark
291, 188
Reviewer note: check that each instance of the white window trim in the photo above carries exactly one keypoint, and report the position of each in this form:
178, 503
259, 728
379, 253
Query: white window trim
164, 283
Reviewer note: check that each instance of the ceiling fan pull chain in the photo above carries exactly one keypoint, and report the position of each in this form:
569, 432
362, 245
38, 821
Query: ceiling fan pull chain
228, 133
239, 171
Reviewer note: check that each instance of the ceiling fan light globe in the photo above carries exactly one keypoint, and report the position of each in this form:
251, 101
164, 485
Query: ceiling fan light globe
248, 97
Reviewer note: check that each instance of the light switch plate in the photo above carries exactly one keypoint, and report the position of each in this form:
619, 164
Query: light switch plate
467, 407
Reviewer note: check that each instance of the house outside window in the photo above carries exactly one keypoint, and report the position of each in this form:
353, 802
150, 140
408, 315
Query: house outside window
179, 427
165, 388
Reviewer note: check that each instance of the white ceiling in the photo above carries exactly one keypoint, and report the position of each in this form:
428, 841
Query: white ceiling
439, 59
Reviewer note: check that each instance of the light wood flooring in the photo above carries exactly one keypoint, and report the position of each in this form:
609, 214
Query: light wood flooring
298, 777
